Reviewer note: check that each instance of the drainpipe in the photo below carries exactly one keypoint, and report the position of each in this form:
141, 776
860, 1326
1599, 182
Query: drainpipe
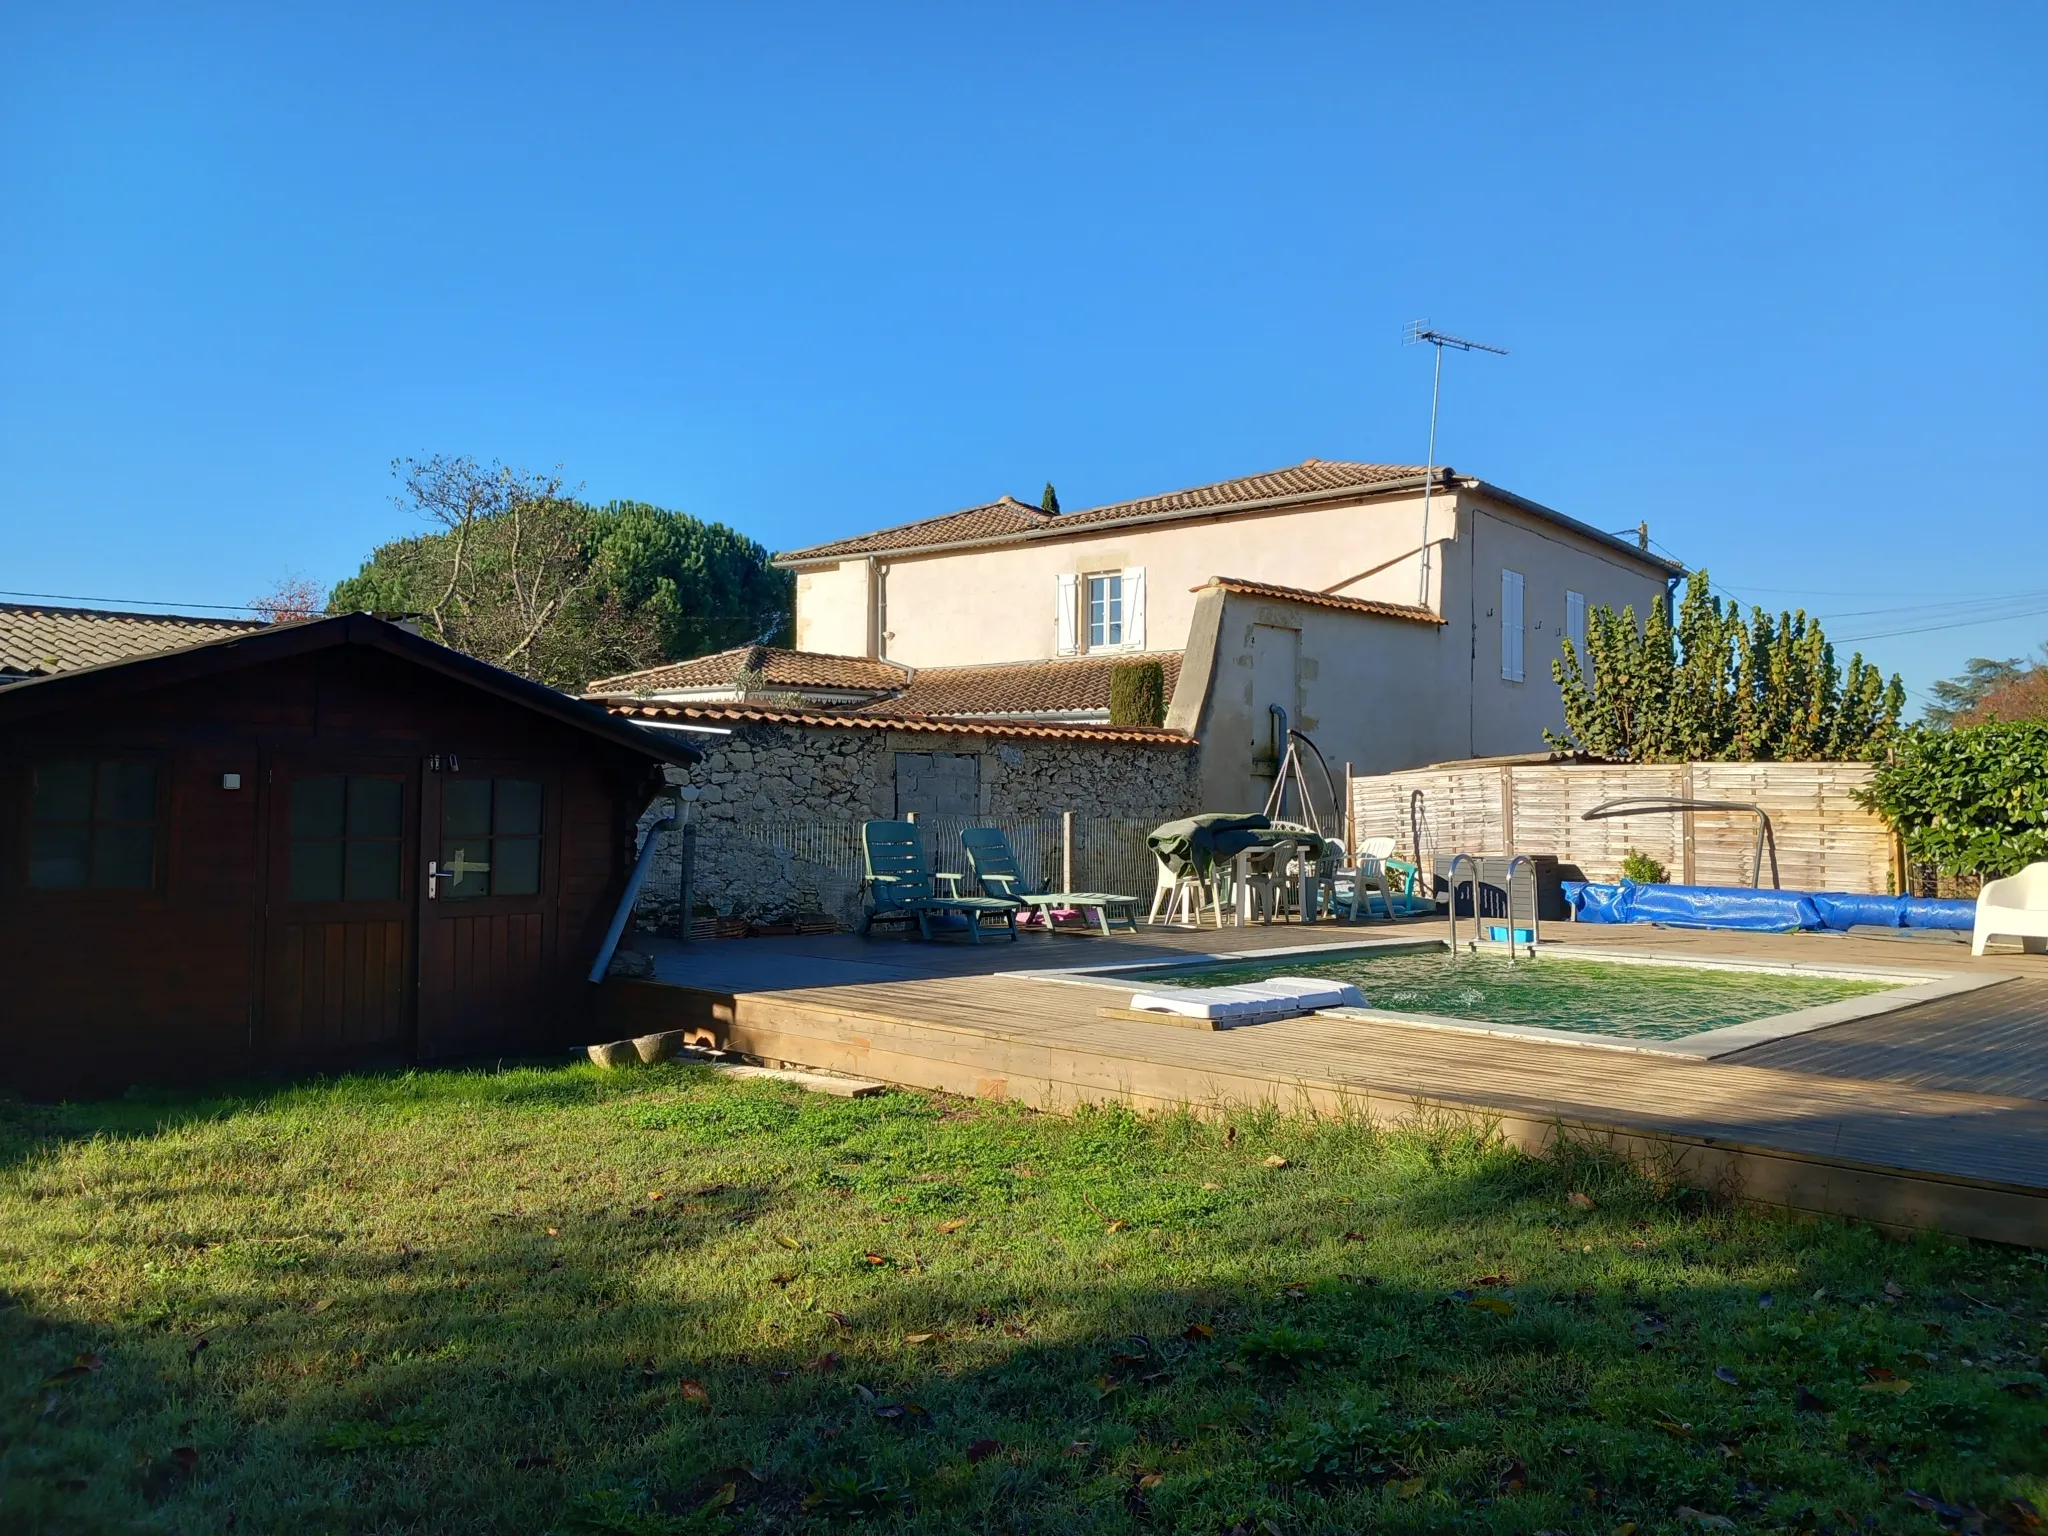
626, 902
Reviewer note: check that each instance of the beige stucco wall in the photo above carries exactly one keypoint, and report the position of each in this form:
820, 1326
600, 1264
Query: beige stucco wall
1511, 717
832, 609
1386, 694
994, 605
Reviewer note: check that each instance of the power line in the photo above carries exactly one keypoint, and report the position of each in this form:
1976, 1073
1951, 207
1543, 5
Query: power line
143, 602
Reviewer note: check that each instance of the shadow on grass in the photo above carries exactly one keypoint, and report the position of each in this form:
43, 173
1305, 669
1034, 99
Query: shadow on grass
1407, 1332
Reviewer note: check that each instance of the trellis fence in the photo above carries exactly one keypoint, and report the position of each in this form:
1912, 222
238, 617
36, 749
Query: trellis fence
1825, 840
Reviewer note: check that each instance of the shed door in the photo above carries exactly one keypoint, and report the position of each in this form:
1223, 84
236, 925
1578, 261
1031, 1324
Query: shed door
340, 910
489, 835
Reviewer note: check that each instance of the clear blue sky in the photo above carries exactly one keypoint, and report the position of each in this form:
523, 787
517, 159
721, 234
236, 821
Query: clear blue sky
1774, 277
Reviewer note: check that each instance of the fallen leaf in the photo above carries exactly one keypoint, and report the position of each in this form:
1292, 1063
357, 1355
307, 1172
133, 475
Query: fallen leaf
1727, 1374
785, 1278
1580, 1199
841, 1319
778, 1377
323, 1303
1198, 1333
2027, 1391
789, 1242
654, 1194
1409, 1487
981, 1450
1687, 1515
1355, 1237
1893, 1289
724, 1495
1895, 1386
553, 1231
1151, 1480
1014, 1330
952, 1226
1514, 1477
1212, 1185
1676, 1428
693, 1392
1626, 1528
1879, 1372
825, 1362
1078, 1448
1492, 1304
1275, 1160
1493, 1280
84, 1365
919, 1338
874, 1258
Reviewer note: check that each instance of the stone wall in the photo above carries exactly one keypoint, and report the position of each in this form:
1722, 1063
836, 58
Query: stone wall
779, 807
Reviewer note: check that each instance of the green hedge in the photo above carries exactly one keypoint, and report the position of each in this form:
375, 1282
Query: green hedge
1972, 801
1137, 693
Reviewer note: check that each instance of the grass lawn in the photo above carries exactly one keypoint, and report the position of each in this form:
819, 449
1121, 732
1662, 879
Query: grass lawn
563, 1300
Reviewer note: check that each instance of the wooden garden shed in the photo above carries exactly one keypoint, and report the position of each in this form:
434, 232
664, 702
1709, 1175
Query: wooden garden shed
315, 845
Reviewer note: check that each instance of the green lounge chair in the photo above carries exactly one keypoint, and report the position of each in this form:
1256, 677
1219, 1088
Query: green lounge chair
995, 866
899, 885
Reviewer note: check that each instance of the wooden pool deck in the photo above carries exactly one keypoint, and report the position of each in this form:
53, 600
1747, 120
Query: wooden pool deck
1934, 1116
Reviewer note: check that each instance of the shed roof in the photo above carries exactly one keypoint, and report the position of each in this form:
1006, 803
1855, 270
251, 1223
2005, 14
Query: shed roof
775, 666
37, 640
111, 680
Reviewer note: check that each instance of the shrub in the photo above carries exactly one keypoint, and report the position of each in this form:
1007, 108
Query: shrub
1642, 869
1972, 801
1137, 693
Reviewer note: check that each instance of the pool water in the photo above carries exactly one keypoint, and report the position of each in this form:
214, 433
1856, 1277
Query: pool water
1599, 997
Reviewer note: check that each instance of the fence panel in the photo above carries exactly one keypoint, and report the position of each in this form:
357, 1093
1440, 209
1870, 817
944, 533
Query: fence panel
1825, 840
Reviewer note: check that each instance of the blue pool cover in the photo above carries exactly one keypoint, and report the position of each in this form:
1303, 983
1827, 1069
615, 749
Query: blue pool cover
1720, 906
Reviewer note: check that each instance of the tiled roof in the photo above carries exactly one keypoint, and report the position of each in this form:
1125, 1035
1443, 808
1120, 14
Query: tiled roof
1406, 611
1009, 518
1017, 688
37, 641
778, 668
746, 714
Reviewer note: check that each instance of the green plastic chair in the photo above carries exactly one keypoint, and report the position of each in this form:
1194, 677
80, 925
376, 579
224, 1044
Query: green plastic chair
995, 865
900, 885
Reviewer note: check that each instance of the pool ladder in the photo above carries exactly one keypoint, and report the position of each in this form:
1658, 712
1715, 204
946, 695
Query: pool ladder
1519, 879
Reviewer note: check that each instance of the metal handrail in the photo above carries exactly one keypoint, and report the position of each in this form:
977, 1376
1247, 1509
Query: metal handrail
1519, 861
1451, 890
1650, 805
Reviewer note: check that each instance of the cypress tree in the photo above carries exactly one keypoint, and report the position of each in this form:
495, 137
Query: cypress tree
1050, 501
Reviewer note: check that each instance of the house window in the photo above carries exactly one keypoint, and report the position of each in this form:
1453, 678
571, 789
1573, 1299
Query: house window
1105, 610
490, 837
1575, 623
92, 825
1511, 626
346, 838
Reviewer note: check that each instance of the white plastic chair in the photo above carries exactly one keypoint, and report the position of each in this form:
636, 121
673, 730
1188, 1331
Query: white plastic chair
1185, 893
2014, 908
1367, 874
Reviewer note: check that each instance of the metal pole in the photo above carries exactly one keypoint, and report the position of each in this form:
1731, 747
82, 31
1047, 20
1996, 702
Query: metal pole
686, 893
1066, 850
1429, 473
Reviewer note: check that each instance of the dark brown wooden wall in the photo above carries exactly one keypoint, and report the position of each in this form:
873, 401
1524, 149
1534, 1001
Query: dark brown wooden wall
103, 989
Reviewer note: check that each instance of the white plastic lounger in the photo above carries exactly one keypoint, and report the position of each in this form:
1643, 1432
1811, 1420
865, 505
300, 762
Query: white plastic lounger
1278, 997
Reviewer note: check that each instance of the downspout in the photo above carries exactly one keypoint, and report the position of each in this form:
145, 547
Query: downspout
631, 898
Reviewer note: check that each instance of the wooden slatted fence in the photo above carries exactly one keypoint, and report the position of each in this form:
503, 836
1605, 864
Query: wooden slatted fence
1825, 840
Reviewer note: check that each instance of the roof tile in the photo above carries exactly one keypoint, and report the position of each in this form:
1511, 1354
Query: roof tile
36, 641
1018, 688
778, 668
1415, 615
1009, 518
747, 714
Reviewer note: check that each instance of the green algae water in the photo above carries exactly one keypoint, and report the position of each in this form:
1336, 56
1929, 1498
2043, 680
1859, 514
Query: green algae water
1634, 1002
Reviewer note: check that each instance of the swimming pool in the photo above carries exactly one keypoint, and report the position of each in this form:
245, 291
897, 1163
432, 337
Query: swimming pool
1623, 1000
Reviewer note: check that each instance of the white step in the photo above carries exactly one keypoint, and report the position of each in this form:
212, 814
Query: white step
814, 1082
1277, 997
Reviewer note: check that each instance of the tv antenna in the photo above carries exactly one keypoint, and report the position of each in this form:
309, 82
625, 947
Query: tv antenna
1421, 331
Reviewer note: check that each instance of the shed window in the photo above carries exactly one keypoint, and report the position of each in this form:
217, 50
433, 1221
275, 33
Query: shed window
346, 838
490, 838
93, 825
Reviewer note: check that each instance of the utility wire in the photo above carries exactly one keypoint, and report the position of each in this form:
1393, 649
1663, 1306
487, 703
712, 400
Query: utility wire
143, 602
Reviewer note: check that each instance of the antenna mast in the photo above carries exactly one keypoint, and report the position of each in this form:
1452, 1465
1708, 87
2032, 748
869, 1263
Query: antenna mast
1420, 331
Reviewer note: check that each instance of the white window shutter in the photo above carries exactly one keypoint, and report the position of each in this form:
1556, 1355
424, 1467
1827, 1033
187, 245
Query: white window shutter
1134, 607
1511, 626
1066, 610
1575, 623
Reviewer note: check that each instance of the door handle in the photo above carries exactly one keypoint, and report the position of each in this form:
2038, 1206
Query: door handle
436, 873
